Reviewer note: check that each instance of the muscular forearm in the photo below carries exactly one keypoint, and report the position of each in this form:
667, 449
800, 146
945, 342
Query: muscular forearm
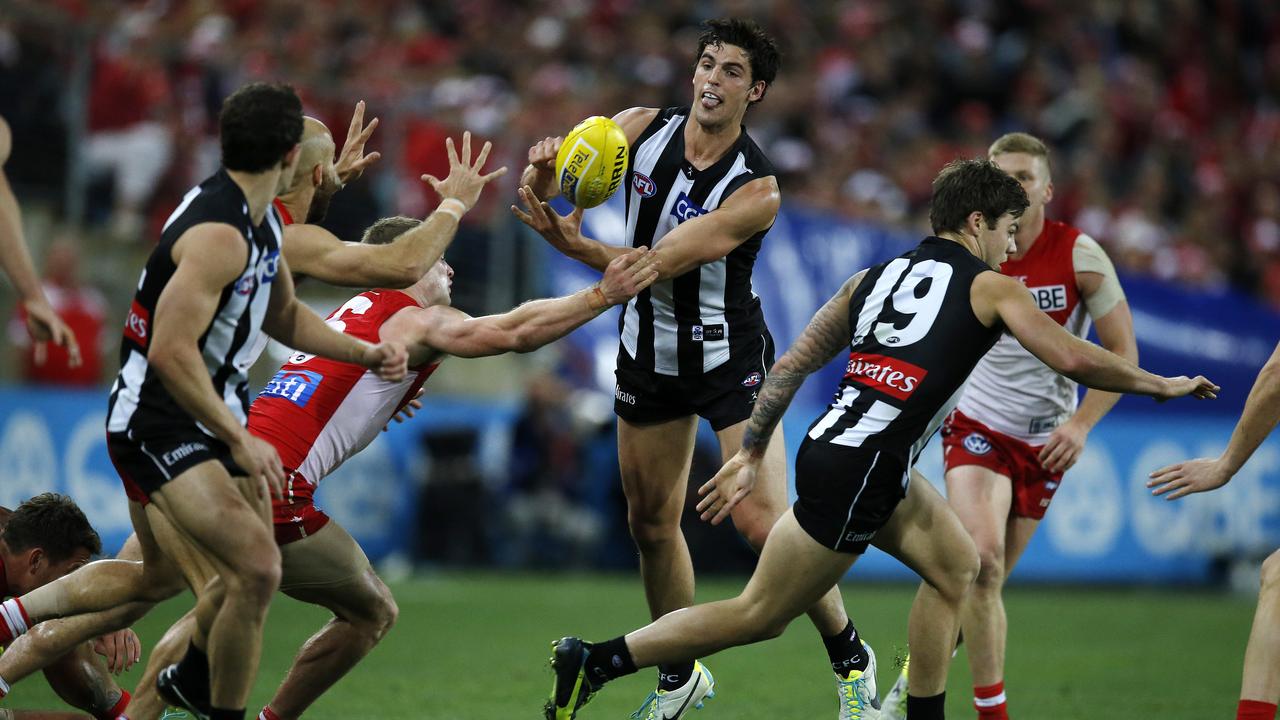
593, 253
1097, 403
1261, 413
298, 327
14, 256
539, 322
185, 376
1100, 369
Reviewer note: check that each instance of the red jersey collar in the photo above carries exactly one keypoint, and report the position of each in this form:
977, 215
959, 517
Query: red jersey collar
284, 212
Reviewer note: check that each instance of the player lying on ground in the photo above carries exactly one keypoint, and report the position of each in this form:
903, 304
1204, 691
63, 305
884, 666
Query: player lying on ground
197, 481
45, 538
319, 255
1260, 688
915, 326
704, 196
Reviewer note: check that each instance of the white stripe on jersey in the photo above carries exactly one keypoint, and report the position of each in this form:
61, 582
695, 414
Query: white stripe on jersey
714, 278
934, 423
847, 396
182, 207
132, 375
874, 420
647, 156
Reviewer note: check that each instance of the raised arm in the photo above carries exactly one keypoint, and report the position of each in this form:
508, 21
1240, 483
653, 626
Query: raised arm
1000, 299
443, 330
826, 335
313, 251
1261, 414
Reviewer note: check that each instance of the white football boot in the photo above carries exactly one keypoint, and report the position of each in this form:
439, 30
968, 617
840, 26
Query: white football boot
857, 693
673, 704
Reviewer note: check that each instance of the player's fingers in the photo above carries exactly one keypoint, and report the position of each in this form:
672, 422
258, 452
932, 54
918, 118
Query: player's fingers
73, 350
1046, 449
453, 153
484, 155
466, 148
495, 174
357, 118
1182, 491
728, 507
431, 180
368, 131
522, 216
134, 649
368, 160
577, 215
1156, 475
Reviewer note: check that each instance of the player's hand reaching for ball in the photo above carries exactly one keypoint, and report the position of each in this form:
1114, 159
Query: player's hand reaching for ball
1198, 386
563, 232
260, 461
388, 360
628, 274
723, 492
465, 180
1188, 477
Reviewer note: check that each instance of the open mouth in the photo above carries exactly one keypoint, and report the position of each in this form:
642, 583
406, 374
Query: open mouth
710, 100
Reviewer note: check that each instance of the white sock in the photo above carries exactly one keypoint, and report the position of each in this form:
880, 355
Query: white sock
13, 621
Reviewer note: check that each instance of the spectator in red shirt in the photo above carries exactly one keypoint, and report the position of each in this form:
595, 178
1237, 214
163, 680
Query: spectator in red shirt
81, 307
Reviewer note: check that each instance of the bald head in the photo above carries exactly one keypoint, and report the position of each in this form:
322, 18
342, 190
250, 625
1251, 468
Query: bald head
316, 148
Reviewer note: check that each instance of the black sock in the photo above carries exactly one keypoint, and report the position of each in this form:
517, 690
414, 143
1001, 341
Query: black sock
845, 650
927, 708
671, 677
221, 714
609, 660
194, 672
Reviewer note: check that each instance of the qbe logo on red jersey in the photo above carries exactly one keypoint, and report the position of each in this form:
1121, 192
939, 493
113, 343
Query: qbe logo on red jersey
1050, 298
137, 325
891, 376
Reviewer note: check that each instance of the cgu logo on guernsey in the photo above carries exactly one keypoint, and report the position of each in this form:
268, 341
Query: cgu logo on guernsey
891, 376
686, 209
296, 386
265, 271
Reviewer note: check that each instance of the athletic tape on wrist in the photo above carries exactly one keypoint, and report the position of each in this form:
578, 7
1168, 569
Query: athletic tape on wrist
596, 299
453, 207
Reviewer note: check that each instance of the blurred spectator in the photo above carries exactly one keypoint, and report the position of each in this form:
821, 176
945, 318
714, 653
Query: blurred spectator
81, 307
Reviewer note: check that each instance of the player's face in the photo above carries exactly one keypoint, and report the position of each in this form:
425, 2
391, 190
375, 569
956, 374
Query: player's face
329, 185
1032, 173
439, 283
998, 245
722, 86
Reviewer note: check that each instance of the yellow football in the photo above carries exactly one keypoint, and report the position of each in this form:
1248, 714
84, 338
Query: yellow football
592, 161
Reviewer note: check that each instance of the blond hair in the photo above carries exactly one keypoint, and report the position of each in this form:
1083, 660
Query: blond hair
1020, 142
388, 229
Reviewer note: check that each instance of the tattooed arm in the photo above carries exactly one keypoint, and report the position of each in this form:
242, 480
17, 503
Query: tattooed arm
827, 333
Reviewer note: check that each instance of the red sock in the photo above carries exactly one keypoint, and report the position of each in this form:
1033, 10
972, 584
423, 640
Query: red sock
1255, 710
117, 711
990, 702
13, 620
268, 714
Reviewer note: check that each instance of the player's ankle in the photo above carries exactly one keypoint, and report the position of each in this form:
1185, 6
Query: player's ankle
608, 661
845, 651
1255, 710
226, 714
268, 714
990, 701
927, 708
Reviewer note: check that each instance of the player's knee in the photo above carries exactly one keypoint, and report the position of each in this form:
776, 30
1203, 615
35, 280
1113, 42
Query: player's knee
765, 622
957, 578
385, 614
651, 530
256, 578
990, 568
1271, 574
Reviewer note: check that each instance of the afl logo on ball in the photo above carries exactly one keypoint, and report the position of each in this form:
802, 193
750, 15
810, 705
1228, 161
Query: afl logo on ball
751, 380
643, 186
977, 444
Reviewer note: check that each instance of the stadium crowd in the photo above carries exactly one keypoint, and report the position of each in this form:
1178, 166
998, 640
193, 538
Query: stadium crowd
1167, 137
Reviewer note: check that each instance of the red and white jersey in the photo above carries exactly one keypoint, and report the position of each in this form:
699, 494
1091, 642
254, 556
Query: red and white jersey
1010, 390
319, 412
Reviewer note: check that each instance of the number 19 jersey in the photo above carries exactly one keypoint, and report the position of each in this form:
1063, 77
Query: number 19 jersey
914, 342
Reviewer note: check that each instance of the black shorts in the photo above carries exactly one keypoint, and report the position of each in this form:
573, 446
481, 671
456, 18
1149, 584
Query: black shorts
846, 494
724, 396
145, 466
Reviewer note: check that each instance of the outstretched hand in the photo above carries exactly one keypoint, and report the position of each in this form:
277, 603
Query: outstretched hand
352, 161
722, 493
465, 180
563, 232
628, 274
1188, 477
1198, 386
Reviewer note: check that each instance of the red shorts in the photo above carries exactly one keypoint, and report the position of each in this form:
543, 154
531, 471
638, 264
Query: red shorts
296, 516
966, 441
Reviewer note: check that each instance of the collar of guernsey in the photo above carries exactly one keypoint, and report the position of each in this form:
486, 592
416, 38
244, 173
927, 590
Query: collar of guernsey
284, 212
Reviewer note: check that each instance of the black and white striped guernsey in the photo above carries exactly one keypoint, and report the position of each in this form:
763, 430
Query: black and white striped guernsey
140, 405
693, 323
915, 341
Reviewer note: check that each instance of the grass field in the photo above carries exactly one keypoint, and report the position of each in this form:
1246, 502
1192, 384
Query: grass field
475, 647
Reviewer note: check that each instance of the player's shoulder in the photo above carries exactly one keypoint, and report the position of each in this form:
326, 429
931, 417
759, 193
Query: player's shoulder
1059, 232
634, 121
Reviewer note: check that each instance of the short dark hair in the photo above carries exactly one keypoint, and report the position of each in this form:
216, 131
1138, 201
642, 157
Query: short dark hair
53, 523
388, 229
761, 49
259, 124
964, 186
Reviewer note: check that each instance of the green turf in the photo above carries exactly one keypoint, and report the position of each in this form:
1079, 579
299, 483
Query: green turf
475, 646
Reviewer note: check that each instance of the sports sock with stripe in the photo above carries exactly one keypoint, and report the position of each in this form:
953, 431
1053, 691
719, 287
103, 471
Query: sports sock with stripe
846, 652
990, 702
609, 660
1255, 710
14, 620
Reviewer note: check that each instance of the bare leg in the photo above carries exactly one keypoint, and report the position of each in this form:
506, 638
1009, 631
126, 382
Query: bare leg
981, 498
927, 536
793, 573
1262, 656
330, 569
211, 511
82, 680
655, 463
756, 515
146, 703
